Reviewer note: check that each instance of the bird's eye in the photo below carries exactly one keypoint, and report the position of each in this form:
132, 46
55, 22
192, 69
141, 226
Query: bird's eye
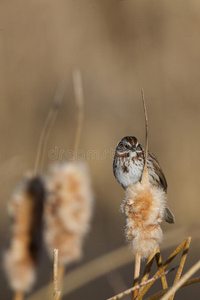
127, 146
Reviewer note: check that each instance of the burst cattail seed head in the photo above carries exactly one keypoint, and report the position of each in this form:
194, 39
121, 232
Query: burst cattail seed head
144, 208
25, 209
68, 209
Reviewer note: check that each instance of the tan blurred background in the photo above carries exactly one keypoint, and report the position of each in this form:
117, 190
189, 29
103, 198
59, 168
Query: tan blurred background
120, 47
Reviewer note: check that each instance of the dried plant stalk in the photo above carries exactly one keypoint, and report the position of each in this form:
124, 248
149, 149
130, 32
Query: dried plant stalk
163, 267
56, 292
163, 292
25, 209
182, 262
149, 264
19, 295
184, 278
68, 210
159, 264
49, 122
108, 262
136, 274
136, 287
78, 90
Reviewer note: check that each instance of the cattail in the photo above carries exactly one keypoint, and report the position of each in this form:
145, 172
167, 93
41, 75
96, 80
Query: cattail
69, 205
144, 208
67, 210
25, 209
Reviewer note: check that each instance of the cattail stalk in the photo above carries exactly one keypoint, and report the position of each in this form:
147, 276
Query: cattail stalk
143, 207
19, 295
136, 273
68, 208
46, 130
56, 292
78, 91
69, 204
26, 209
144, 181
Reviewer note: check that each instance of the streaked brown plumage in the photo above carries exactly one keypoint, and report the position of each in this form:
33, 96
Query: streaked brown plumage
129, 163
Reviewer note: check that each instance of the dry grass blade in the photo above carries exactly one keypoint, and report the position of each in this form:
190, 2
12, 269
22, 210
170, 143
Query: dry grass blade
51, 117
145, 170
143, 181
146, 127
159, 264
182, 262
128, 291
148, 267
157, 256
136, 274
161, 293
184, 278
78, 90
56, 293
164, 266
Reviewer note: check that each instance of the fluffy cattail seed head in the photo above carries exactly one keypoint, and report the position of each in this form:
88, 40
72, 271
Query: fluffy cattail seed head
144, 208
25, 209
68, 209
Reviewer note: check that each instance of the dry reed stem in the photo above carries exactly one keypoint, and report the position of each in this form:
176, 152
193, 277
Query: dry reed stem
163, 292
163, 267
182, 262
159, 264
56, 292
148, 267
145, 170
51, 117
179, 283
136, 274
136, 287
144, 181
18, 295
55, 270
157, 256
78, 91
100, 266
61, 271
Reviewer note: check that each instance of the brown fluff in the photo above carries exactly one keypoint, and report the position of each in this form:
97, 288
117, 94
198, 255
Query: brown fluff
67, 210
25, 209
144, 208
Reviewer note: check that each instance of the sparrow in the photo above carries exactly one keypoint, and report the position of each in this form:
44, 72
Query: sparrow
128, 166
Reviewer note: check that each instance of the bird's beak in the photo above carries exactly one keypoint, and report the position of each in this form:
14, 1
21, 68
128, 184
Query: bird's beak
133, 148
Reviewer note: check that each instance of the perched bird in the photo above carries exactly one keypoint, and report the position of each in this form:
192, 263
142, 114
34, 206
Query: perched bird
128, 165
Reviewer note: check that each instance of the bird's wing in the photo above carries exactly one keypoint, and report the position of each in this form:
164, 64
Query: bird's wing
158, 171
